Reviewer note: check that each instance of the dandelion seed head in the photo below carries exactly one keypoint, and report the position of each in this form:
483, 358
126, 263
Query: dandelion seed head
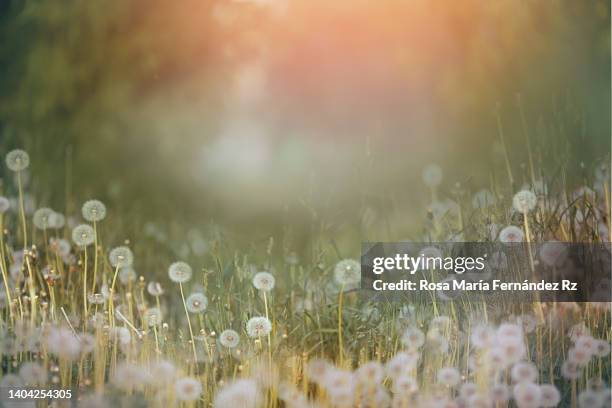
348, 272
180, 272
590, 399
467, 390
196, 302
524, 201
153, 317
187, 389
527, 395
549, 396
586, 343
413, 338
17, 160
162, 372
42, 218
602, 348
405, 385
553, 253
121, 257
63, 343
317, 369
83, 235
57, 220
33, 373
511, 234
449, 376
242, 393
402, 363
370, 373
579, 356
571, 370
524, 371
155, 289
258, 327
129, 377
93, 210
264, 281
229, 338
483, 199
500, 393
482, 336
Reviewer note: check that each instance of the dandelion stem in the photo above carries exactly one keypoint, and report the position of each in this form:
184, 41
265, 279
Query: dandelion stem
340, 345
195, 355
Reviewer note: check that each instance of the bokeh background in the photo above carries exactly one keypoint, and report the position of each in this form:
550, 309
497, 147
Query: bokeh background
265, 115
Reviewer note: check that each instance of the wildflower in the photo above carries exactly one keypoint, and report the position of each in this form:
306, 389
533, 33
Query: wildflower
512, 349
41, 218
264, 281
587, 343
596, 384
449, 376
579, 356
511, 234
152, 317
348, 272
33, 374
126, 275
121, 257
83, 235
128, 376
155, 289
258, 326
196, 303
590, 399
553, 253
510, 330
370, 373
162, 372
93, 210
242, 393
549, 396
87, 343
500, 393
524, 371
482, 336
432, 175
317, 369
602, 348
229, 338
57, 220
404, 385
17, 160
180, 272
479, 401
570, 370
467, 390
527, 395
188, 389
413, 338
401, 363
95, 298
524, 201
63, 343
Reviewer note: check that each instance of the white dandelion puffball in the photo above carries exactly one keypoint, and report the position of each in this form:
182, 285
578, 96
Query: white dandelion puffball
413, 338
121, 257
264, 281
549, 396
153, 317
524, 201
17, 160
196, 303
155, 288
5, 204
33, 373
348, 272
524, 372
553, 253
432, 175
180, 272
83, 235
57, 220
188, 389
243, 393
229, 338
511, 234
42, 218
449, 376
483, 199
527, 394
126, 275
258, 326
93, 210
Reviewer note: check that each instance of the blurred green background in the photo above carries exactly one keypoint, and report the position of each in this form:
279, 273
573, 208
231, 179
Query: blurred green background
259, 115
